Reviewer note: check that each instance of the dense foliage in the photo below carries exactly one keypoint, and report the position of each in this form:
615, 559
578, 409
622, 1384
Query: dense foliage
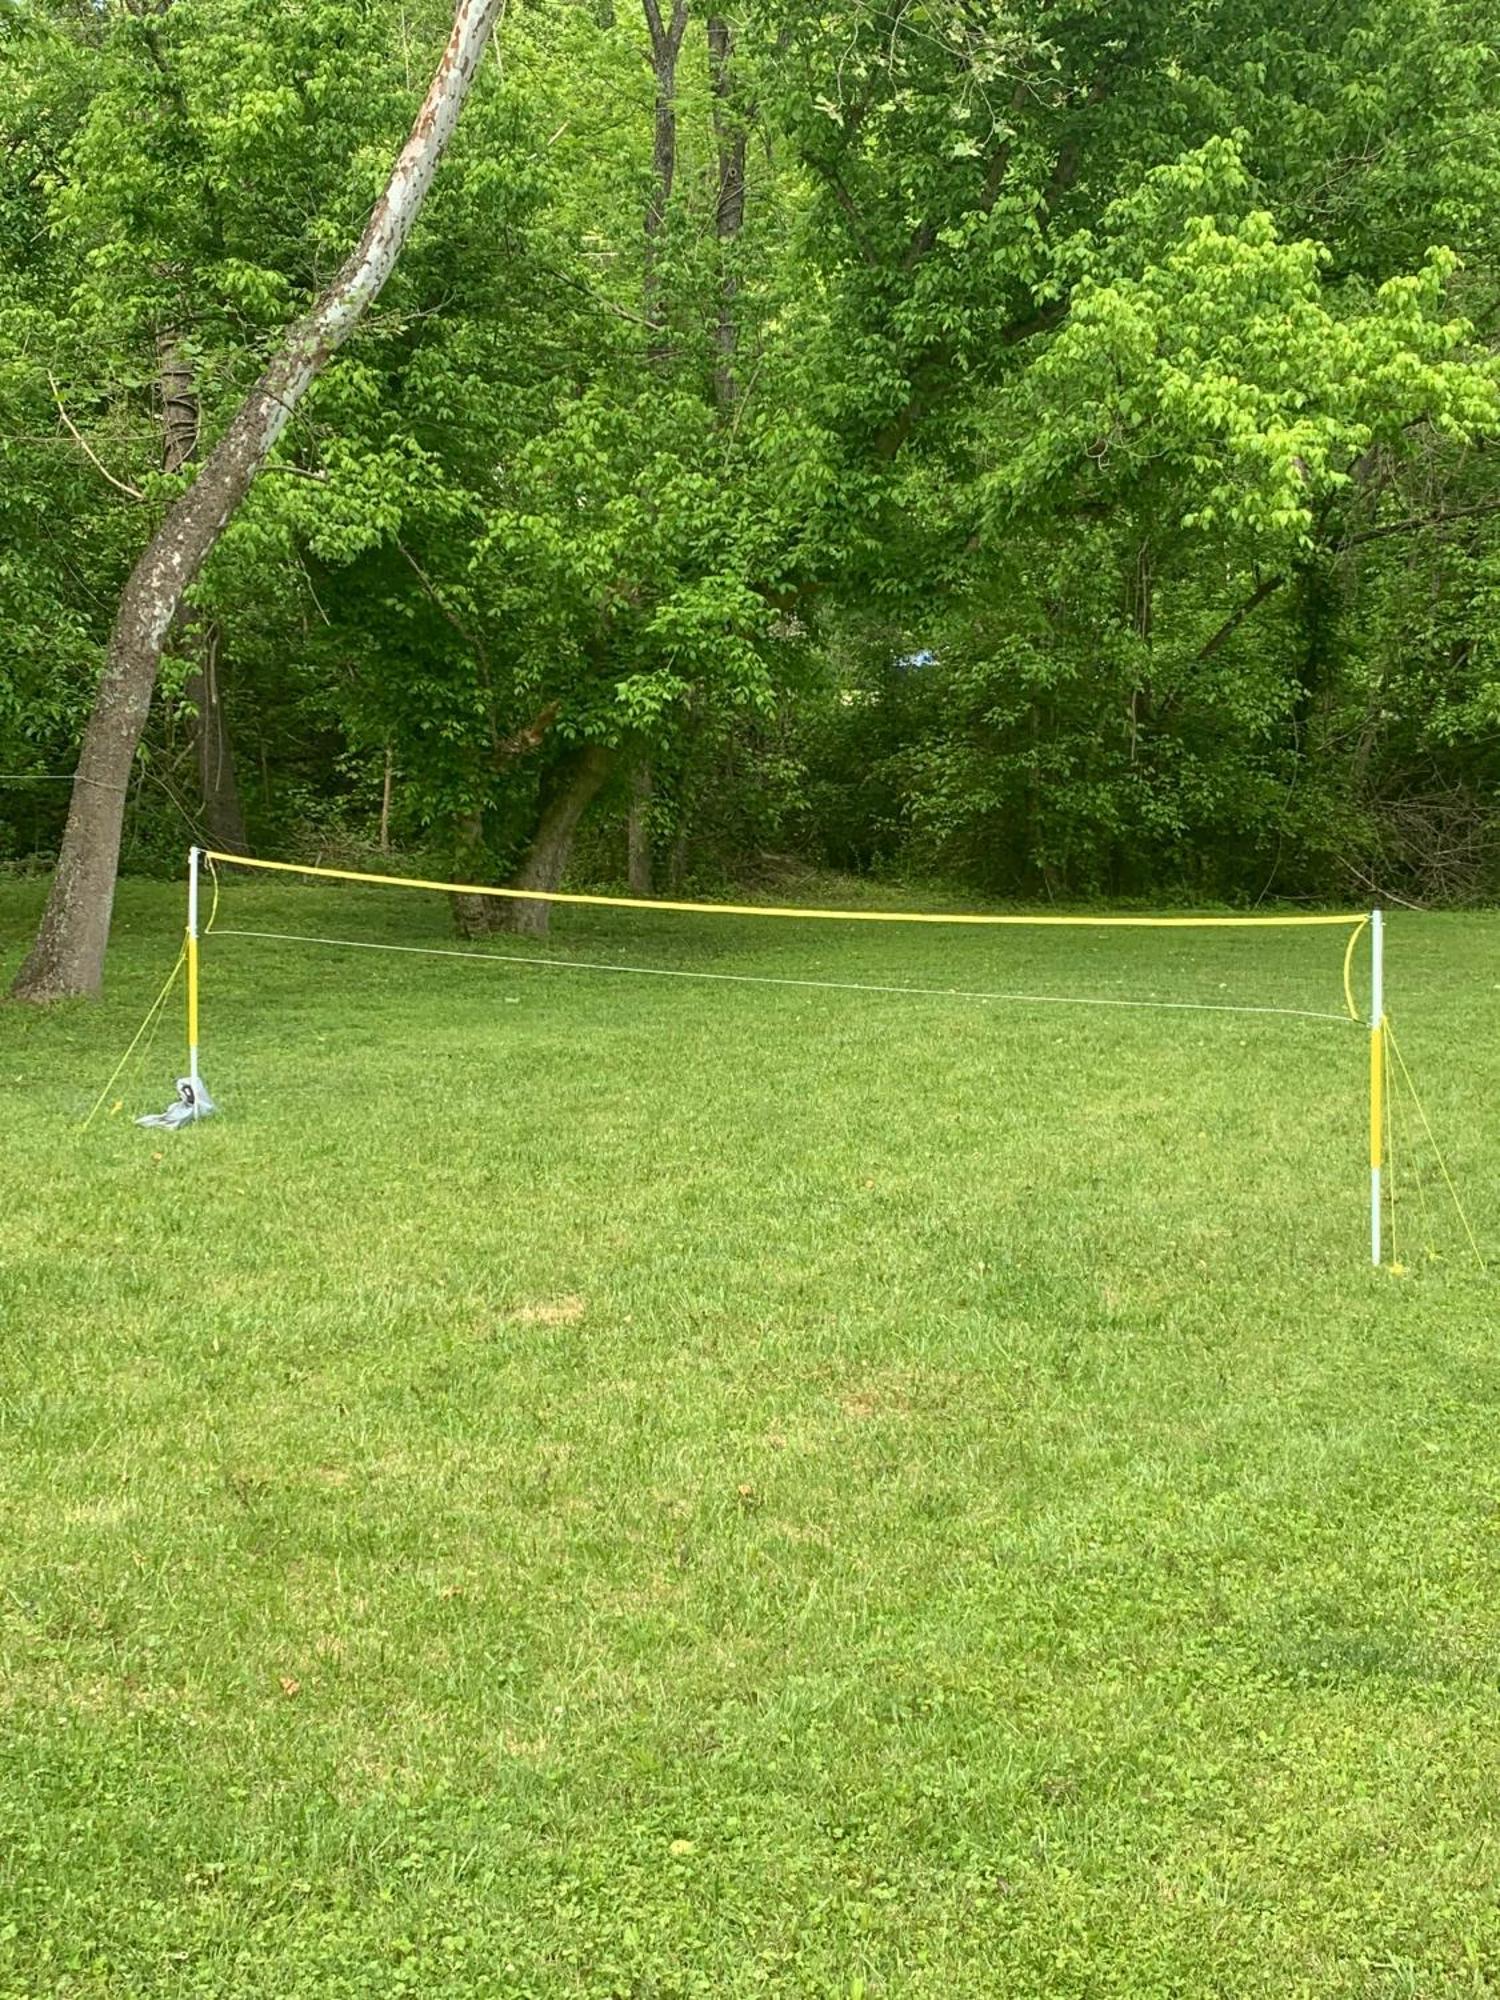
1046, 447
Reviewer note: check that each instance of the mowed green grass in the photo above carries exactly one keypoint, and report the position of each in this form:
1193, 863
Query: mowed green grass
580, 1485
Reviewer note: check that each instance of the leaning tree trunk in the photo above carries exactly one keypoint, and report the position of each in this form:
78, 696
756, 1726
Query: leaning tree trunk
577, 785
67, 957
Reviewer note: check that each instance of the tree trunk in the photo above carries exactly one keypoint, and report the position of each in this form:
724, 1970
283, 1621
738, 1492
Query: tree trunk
666, 41
472, 915
386, 788
730, 133
1140, 588
1318, 607
1032, 855
638, 830
179, 404
677, 862
67, 957
577, 785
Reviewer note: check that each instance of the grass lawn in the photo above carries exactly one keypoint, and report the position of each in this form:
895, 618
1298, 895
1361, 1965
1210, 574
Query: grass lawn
621, 1487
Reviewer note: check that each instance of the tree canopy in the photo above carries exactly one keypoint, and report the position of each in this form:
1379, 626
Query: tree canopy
1048, 447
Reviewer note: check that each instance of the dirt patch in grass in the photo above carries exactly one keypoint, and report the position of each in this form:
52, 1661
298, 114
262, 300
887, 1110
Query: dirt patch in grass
550, 1312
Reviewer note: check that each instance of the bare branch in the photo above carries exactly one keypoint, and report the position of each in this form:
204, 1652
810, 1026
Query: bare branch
120, 485
1043, 320
476, 646
1271, 584
1416, 521
1237, 618
834, 183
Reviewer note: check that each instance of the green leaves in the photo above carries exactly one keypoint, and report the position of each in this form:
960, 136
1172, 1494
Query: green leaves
1104, 355
1203, 354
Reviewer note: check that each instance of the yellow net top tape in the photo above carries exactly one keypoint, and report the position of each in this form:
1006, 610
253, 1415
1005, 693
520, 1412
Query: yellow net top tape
771, 910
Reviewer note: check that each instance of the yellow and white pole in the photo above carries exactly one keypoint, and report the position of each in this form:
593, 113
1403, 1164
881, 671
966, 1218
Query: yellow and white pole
191, 949
1377, 1075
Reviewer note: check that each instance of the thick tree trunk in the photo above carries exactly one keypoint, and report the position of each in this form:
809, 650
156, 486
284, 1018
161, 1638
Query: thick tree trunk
730, 133
577, 785
473, 916
67, 957
638, 830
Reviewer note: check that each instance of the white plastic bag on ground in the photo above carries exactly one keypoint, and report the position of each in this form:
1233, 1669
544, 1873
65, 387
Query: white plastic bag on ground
193, 1102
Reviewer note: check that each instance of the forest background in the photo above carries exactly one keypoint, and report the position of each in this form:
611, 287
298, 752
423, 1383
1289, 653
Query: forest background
1045, 448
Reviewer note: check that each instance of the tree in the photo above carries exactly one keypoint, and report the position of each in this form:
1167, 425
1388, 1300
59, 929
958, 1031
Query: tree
68, 955
1033, 444
636, 539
